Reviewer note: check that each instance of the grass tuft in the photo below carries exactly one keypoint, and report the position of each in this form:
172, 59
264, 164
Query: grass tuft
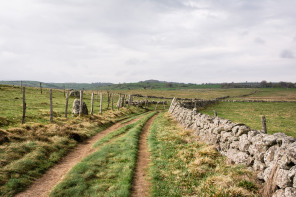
184, 166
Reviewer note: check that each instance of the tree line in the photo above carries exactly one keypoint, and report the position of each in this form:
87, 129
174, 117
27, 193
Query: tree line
262, 84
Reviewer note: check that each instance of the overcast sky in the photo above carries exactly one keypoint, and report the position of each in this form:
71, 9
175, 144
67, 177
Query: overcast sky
191, 41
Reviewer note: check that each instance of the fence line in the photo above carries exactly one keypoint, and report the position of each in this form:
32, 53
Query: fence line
124, 100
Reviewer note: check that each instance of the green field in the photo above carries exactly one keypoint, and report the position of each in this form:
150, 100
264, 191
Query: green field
38, 105
281, 117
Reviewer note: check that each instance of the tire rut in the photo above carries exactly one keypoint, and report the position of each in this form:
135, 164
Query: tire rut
140, 186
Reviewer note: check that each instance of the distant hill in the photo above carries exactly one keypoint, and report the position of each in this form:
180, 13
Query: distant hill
148, 84
77, 86
155, 84
152, 84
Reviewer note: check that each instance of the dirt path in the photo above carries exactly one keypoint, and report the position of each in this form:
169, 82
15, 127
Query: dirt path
140, 184
42, 186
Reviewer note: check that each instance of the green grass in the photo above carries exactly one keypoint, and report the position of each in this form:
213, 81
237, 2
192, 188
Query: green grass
33, 148
193, 93
184, 166
280, 117
108, 171
38, 108
116, 133
279, 94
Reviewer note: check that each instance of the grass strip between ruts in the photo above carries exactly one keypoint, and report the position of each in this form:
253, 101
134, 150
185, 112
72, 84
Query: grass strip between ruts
106, 172
181, 165
117, 133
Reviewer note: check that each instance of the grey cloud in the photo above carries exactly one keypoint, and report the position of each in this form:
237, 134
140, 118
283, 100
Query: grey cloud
287, 54
259, 40
208, 36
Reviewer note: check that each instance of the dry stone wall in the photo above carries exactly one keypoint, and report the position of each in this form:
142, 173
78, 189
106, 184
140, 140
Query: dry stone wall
269, 155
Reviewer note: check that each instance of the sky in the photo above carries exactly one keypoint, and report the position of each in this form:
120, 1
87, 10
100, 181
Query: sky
190, 41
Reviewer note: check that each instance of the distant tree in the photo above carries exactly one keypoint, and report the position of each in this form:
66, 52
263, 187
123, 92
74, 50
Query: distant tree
263, 84
170, 85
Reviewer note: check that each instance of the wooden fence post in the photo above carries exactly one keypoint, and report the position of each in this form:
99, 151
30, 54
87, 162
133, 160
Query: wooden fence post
101, 102
215, 113
24, 105
81, 103
51, 111
112, 101
64, 91
97, 96
119, 102
263, 120
129, 100
92, 104
123, 101
41, 87
67, 101
108, 100
21, 86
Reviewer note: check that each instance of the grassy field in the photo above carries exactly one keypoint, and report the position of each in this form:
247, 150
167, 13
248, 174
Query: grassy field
281, 117
278, 94
38, 108
194, 93
108, 171
184, 166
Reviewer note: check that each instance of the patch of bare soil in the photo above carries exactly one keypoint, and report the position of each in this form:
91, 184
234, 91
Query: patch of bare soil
140, 183
42, 186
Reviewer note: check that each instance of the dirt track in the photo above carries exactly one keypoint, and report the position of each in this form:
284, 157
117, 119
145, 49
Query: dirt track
140, 183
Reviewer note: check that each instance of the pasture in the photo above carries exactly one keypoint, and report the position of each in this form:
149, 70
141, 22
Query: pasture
108, 165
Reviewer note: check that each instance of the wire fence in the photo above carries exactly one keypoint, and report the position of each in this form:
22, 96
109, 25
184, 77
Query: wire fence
38, 105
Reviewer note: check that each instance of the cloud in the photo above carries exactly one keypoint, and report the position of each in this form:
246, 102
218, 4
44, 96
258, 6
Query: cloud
126, 40
287, 54
259, 40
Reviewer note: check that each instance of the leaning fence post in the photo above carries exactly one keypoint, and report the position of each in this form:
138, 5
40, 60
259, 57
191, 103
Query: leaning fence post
101, 102
41, 87
64, 91
123, 101
92, 104
108, 100
112, 101
51, 111
119, 102
67, 101
129, 100
24, 105
263, 120
81, 104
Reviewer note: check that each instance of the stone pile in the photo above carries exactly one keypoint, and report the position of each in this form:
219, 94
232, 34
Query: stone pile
269, 155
